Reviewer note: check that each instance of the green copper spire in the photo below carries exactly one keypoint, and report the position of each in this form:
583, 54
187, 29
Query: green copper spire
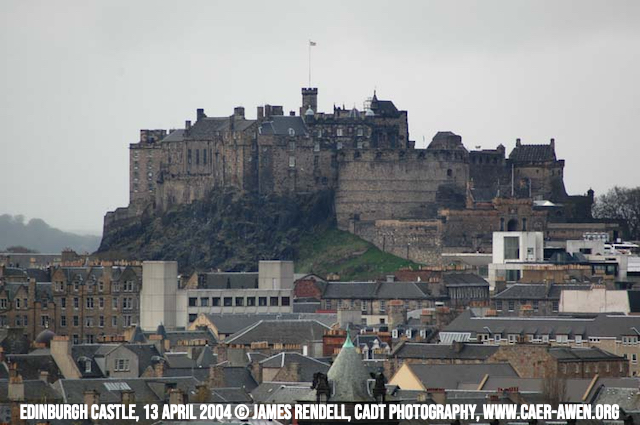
347, 342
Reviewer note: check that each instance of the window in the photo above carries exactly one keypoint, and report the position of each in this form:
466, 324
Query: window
360, 132
76, 339
215, 302
562, 339
594, 340
499, 305
319, 134
511, 248
101, 303
316, 147
189, 156
44, 321
101, 286
127, 303
513, 338
545, 338
292, 132
204, 302
239, 301
101, 321
121, 365
382, 306
630, 340
535, 305
339, 145
578, 339
251, 301
88, 322
192, 318
285, 301
364, 305
274, 301
634, 358
17, 303
359, 145
292, 161
3, 303
90, 302
512, 275
204, 156
76, 303
87, 366
262, 301
292, 146
114, 321
63, 302
449, 172
63, 321
339, 132
193, 302
115, 303
497, 337
228, 301
556, 306
512, 305
127, 320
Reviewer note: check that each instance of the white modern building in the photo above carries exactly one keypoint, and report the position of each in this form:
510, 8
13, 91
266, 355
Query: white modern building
512, 251
163, 301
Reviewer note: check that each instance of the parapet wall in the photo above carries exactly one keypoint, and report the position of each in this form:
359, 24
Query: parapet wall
394, 184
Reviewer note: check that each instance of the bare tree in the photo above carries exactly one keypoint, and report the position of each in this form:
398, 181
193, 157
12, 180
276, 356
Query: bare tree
620, 203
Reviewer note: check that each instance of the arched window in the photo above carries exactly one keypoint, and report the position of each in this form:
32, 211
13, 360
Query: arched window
512, 225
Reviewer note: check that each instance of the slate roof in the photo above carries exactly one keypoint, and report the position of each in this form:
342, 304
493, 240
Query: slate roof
273, 392
537, 291
83, 352
229, 280
34, 391
451, 377
40, 275
280, 125
384, 108
145, 353
231, 323
377, 290
174, 136
414, 350
30, 365
280, 332
463, 279
600, 325
175, 336
533, 153
147, 390
582, 354
308, 365
209, 128
179, 361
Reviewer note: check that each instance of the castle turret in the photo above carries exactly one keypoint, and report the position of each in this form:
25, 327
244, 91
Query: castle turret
309, 100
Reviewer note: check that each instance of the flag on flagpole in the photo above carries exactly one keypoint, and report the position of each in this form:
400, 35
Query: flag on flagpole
312, 43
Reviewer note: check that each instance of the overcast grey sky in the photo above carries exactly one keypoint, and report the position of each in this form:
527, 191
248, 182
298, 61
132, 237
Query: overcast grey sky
80, 78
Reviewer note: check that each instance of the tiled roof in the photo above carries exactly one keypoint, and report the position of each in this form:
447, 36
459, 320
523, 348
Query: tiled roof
308, 365
231, 323
537, 291
209, 128
281, 124
378, 290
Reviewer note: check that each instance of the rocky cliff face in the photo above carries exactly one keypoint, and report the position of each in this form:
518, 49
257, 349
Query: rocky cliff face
226, 230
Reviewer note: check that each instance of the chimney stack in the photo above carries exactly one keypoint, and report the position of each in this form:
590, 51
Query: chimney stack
200, 114
260, 114
518, 144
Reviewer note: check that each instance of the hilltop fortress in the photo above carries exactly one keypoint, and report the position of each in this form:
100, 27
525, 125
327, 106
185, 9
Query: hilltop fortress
414, 203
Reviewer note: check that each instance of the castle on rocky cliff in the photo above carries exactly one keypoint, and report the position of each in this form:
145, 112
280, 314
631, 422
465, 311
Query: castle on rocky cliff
414, 203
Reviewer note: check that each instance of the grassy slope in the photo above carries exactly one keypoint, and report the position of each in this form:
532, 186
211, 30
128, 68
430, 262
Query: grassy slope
335, 251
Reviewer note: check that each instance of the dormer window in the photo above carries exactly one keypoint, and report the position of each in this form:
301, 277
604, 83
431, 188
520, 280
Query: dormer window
292, 132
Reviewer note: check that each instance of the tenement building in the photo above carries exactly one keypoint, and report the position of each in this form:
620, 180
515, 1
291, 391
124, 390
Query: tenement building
413, 202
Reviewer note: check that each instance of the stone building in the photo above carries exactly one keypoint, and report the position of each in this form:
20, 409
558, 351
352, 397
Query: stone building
28, 306
94, 302
414, 203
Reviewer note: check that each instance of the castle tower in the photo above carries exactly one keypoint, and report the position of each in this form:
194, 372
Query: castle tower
309, 100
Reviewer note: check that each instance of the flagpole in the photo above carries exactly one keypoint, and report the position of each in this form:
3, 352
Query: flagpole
309, 47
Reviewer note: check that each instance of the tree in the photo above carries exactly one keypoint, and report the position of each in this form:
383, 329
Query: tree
620, 203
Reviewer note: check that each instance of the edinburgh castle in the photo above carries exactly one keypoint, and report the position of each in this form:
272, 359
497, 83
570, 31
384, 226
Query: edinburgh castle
411, 202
